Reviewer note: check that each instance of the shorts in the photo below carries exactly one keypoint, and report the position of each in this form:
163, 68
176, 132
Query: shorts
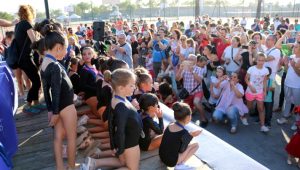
257, 97
191, 98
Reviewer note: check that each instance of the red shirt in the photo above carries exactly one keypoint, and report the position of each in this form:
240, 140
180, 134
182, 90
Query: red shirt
220, 46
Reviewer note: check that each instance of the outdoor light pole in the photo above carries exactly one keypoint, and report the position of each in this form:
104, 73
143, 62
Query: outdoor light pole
47, 9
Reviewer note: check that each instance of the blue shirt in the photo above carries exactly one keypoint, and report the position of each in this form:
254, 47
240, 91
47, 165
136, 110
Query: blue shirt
158, 54
268, 97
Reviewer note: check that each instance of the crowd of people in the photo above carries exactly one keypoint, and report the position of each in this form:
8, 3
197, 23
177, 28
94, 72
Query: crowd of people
219, 70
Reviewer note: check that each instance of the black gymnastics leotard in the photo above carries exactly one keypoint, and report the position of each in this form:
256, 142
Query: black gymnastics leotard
55, 77
125, 128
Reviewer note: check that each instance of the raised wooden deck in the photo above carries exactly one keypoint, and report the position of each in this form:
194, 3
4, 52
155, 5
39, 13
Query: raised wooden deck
36, 147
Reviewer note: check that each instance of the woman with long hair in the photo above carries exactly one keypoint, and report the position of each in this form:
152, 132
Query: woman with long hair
24, 36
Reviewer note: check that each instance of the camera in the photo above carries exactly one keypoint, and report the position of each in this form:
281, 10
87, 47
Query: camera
157, 34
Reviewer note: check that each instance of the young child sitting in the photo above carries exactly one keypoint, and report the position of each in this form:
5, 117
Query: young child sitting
166, 94
175, 148
292, 147
150, 109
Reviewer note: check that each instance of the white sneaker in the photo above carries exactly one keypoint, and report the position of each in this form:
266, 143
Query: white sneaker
244, 121
82, 120
184, 167
294, 127
282, 121
233, 130
264, 129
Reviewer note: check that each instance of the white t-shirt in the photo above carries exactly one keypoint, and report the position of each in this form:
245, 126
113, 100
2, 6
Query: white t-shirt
232, 66
292, 79
274, 63
257, 79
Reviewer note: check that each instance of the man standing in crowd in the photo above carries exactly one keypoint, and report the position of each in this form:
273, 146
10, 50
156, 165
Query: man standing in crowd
159, 44
123, 50
221, 42
273, 55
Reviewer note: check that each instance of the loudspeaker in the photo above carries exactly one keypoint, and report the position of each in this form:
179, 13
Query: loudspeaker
98, 29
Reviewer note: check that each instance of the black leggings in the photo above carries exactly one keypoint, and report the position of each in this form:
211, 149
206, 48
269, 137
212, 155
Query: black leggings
31, 71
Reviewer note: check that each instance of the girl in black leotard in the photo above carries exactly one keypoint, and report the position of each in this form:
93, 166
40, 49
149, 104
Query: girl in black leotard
150, 108
144, 84
175, 149
88, 76
125, 125
59, 99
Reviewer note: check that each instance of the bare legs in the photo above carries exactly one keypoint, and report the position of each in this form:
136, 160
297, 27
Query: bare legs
189, 152
155, 143
66, 125
260, 108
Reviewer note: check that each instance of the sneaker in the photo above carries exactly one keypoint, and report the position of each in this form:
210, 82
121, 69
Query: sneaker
294, 127
184, 167
233, 130
264, 129
289, 161
31, 110
40, 106
82, 120
244, 121
282, 121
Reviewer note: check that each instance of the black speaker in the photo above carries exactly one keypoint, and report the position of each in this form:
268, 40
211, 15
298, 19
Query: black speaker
98, 30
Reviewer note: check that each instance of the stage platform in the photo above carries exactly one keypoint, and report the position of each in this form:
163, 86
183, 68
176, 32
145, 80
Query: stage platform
36, 148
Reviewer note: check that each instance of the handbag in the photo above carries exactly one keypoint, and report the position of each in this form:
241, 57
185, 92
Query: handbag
13, 58
183, 94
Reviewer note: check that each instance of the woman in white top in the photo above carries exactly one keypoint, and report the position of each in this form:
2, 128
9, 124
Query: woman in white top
182, 48
229, 55
292, 85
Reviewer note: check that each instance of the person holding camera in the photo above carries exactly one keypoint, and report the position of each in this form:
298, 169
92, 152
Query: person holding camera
123, 50
159, 45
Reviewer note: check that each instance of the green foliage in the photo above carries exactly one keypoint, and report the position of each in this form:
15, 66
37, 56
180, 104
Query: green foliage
40, 15
5, 15
55, 13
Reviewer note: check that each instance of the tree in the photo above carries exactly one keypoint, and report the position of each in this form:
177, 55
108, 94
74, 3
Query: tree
151, 4
81, 8
7, 16
40, 15
54, 13
128, 6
